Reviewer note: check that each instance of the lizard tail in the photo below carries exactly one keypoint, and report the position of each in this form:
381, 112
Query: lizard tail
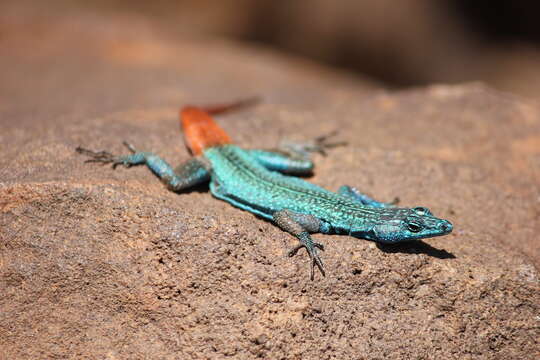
200, 129
232, 106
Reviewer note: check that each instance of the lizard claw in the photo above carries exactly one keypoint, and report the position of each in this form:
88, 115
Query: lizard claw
129, 146
315, 259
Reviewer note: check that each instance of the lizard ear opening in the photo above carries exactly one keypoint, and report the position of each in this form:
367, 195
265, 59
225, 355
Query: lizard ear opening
421, 210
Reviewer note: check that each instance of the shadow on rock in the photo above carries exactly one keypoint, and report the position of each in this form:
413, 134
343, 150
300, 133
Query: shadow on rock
416, 247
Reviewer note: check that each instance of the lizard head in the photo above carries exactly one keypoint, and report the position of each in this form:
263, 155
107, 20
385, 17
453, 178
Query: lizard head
403, 224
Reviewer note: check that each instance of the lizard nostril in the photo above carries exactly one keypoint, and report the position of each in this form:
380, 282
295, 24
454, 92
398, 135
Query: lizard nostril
446, 226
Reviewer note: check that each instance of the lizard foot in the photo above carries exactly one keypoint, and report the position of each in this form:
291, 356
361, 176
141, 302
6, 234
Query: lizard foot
105, 157
315, 259
318, 145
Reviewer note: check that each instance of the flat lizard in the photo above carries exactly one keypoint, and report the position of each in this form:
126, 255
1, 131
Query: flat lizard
263, 183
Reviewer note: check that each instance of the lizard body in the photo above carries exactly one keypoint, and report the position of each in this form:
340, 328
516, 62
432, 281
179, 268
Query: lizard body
259, 181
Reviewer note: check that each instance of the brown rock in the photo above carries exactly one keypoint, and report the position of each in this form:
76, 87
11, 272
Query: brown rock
96, 263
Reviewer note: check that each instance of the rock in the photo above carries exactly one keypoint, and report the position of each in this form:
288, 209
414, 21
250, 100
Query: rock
109, 264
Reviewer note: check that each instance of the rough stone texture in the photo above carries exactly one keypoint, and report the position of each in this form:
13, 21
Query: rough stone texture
96, 263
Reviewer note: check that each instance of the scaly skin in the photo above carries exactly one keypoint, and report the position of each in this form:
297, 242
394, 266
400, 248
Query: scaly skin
254, 180
238, 179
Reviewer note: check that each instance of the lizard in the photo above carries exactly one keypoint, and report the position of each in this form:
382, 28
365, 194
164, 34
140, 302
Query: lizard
267, 184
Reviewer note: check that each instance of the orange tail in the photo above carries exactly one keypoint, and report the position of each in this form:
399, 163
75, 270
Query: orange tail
201, 131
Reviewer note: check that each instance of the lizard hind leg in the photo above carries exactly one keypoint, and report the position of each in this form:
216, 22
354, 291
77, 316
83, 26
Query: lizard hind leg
192, 172
300, 225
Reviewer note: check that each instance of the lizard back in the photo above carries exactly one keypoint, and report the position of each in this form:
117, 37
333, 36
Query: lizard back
238, 179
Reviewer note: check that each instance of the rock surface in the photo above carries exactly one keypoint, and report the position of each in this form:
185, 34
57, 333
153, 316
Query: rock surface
96, 263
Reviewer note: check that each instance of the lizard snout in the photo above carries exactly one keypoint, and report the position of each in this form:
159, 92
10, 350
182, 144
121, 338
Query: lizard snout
446, 226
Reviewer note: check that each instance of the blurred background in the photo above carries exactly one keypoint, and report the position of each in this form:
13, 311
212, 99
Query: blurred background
396, 43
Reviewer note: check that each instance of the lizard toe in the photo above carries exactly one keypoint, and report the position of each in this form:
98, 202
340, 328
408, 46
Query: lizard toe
103, 157
317, 261
294, 250
314, 257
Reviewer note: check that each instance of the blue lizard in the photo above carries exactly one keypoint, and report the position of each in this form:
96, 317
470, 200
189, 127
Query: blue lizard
261, 182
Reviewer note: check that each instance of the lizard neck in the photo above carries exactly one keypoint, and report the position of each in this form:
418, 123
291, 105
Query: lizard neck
344, 224
355, 223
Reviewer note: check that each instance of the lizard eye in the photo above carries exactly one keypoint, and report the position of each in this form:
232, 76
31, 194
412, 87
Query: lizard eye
414, 227
420, 210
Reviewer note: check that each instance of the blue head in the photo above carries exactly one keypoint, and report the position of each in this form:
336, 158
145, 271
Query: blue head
393, 225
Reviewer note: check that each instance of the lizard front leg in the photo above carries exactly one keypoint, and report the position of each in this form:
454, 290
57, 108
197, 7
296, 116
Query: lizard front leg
294, 158
283, 162
354, 194
192, 172
300, 225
